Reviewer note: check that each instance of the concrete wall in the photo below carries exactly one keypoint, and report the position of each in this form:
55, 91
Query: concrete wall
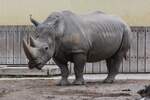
135, 12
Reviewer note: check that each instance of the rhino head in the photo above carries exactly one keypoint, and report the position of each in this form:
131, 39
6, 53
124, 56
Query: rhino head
42, 48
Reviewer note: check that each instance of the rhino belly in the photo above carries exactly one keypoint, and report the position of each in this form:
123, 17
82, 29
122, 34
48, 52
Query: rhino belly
104, 47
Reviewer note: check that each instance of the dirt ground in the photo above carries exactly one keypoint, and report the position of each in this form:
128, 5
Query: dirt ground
46, 89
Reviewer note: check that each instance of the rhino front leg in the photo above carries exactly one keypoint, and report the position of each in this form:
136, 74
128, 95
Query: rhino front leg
113, 65
64, 73
79, 63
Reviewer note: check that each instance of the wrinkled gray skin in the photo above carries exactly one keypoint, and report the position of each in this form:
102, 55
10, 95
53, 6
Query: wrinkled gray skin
65, 36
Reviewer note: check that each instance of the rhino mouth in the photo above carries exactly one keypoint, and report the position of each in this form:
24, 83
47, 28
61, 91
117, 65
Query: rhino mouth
39, 66
32, 65
36, 63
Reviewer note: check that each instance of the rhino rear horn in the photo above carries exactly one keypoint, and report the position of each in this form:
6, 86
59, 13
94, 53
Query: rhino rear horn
34, 21
35, 43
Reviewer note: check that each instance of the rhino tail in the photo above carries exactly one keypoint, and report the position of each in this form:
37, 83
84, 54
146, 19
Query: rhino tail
126, 42
125, 56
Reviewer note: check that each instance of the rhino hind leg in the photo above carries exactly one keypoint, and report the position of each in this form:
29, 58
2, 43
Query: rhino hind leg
113, 65
79, 62
64, 73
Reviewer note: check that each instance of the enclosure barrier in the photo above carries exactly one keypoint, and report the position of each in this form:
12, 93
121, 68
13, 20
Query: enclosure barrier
138, 59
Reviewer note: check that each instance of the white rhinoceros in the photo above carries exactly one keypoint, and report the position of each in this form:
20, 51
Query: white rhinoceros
65, 36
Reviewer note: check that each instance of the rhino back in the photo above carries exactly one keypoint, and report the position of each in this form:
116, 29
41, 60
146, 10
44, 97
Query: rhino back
105, 32
74, 39
97, 34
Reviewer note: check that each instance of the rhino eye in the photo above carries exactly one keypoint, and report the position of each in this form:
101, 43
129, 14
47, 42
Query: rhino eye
46, 48
37, 36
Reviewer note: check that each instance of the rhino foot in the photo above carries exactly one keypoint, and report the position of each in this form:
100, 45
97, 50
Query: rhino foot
63, 82
79, 82
108, 80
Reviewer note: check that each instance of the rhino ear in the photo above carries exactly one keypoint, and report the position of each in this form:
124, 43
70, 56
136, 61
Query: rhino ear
58, 25
34, 21
61, 27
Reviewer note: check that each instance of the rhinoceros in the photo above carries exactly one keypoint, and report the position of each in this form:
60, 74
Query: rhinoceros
67, 37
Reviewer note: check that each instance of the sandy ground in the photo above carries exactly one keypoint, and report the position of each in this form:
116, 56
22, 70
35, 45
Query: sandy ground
46, 89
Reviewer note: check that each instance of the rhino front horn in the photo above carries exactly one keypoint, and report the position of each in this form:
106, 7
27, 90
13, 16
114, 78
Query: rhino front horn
30, 52
34, 21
